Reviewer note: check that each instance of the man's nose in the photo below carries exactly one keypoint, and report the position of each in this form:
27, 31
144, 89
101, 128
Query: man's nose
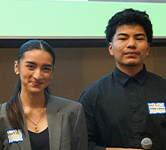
131, 43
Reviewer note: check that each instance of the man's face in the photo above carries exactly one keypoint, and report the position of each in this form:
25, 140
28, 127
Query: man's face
129, 46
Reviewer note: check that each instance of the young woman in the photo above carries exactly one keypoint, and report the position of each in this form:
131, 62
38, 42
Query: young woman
32, 119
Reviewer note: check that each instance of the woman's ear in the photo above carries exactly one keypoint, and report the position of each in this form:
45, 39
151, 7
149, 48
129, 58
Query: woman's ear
110, 49
16, 68
53, 71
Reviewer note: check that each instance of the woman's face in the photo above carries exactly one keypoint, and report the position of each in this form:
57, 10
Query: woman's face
35, 69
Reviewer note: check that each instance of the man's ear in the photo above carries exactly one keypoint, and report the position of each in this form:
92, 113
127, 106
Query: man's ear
148, 49
16, 68
110, 49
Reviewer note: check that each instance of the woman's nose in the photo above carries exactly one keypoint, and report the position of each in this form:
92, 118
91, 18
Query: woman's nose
38, 74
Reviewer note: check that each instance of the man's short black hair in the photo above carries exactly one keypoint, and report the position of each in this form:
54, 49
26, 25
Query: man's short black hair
129, 17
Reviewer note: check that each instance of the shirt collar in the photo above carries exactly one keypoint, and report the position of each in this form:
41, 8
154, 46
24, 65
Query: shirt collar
123, 78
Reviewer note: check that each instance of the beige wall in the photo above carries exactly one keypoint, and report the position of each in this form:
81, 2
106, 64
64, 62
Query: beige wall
76, 68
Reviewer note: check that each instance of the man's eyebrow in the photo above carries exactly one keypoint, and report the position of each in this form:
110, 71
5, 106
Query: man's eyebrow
124, 34
140, 34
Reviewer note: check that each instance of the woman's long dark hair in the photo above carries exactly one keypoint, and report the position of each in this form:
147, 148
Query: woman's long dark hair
14, 110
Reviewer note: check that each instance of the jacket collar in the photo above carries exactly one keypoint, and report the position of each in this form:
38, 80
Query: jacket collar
54, 122
54, 125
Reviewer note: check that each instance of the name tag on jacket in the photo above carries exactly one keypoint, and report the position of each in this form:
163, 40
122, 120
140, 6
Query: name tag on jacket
14, 136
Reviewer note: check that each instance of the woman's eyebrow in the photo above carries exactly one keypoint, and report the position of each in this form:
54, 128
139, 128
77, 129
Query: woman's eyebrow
30, 62
46, 65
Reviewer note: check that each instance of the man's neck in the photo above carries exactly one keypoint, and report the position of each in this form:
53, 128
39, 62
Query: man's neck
130, 70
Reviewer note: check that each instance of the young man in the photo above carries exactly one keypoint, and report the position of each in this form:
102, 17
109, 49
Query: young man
127, 105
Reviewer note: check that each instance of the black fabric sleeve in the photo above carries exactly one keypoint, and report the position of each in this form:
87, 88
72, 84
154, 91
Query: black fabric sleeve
1, 147
93, 133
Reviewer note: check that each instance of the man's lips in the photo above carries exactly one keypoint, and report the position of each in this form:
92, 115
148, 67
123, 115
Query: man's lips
131, 53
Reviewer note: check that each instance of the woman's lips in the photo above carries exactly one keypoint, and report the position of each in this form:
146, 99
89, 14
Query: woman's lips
36, 83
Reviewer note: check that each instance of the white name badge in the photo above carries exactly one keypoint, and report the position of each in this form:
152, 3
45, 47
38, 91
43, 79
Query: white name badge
14, 136
157, 108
